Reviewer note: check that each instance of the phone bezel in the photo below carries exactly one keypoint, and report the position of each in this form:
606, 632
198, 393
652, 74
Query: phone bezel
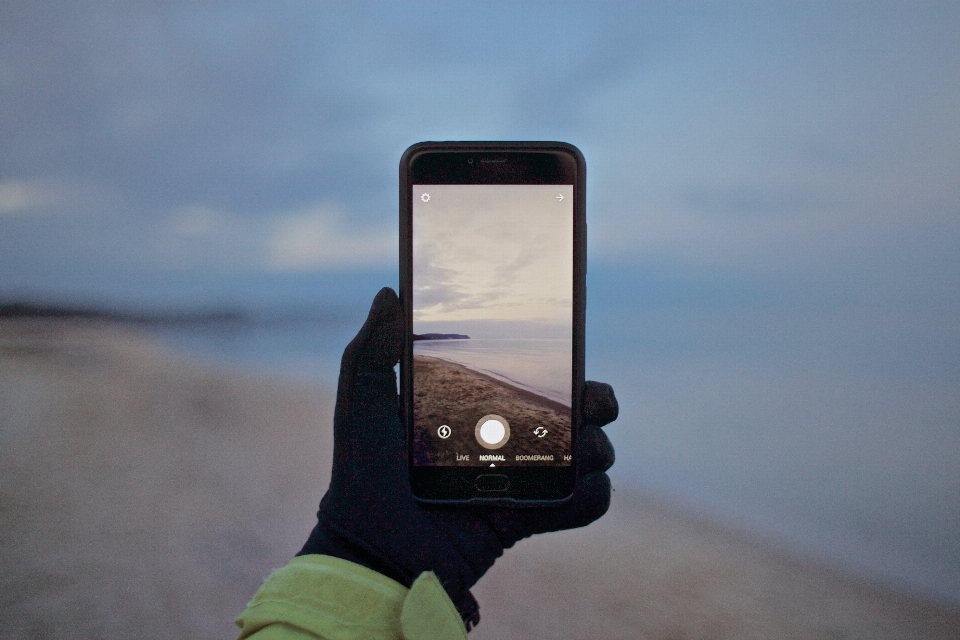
493, 163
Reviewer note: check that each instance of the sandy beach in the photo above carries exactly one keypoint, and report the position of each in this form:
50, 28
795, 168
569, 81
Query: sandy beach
145, 495
449, 393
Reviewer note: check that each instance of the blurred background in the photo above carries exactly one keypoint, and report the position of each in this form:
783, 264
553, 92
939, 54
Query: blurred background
773, 208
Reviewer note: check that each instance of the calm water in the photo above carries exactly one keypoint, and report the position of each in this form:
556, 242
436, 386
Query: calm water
840, 446
538, 365
306, 351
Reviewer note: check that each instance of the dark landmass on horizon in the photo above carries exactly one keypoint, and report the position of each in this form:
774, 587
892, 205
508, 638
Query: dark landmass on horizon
222, 316
440, 336
27, 310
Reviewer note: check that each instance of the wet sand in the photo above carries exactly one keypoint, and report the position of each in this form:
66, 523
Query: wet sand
143, 495
451, 394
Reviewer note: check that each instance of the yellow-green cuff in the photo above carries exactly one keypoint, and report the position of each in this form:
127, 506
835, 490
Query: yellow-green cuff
326, 597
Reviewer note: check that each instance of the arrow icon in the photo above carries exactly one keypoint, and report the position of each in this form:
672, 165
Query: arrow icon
560, 197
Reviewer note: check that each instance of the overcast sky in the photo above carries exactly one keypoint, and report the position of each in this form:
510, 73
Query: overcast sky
175, 140
483, 252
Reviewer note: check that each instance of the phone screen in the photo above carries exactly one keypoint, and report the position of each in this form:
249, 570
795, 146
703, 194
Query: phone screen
492, 301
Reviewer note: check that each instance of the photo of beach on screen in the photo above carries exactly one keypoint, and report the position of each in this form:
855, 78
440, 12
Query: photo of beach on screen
492, 320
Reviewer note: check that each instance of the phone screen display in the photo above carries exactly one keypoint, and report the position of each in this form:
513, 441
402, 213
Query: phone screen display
492, 302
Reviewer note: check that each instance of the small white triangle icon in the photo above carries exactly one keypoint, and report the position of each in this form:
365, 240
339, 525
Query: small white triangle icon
492, 465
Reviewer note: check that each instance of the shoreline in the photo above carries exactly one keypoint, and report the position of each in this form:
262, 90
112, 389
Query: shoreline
562, 397
146, 494
648, 569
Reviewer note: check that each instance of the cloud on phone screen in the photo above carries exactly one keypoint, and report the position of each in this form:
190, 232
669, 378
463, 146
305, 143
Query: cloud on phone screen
485, 252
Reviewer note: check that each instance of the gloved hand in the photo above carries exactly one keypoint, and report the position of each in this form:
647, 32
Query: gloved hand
368, 515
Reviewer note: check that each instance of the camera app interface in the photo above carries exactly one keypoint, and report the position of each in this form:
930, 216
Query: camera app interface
492, 324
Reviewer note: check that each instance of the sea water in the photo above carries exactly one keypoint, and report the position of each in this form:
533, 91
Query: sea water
303, 350
541, 366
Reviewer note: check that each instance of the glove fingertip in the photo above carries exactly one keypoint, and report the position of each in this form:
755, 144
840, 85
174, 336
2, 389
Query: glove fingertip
379, 342
591, 500
600, 406
599, 488
594, 450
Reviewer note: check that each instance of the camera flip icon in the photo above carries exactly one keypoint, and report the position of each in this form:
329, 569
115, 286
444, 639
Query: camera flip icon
540, 432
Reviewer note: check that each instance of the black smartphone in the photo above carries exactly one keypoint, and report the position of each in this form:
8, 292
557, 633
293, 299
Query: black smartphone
493, 286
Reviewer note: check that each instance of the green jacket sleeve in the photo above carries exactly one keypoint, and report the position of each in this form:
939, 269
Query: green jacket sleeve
329, 598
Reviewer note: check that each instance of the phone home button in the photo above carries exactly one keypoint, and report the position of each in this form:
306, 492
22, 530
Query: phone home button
492, 482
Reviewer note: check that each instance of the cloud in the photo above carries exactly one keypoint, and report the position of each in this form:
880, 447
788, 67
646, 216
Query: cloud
21, 196
313, 238
318, 237
493, 253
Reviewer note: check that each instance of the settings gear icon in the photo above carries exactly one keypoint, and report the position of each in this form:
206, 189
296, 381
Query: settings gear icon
425, 197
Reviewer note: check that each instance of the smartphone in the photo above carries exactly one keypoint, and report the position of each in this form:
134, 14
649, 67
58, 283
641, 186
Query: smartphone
493, 286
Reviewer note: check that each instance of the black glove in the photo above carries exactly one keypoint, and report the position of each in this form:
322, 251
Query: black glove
368, 514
